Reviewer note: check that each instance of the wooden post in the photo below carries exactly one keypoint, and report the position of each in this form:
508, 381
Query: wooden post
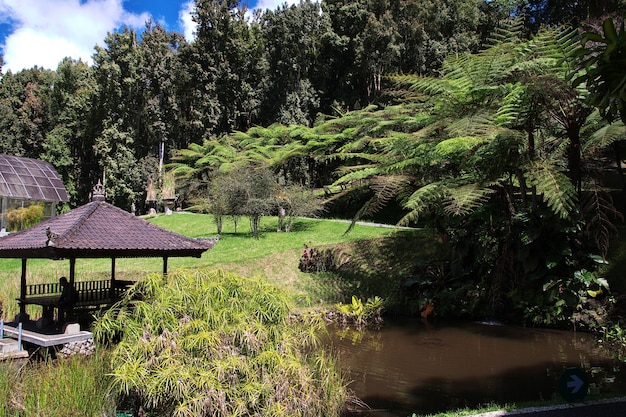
23, 291
113, 289
165, 266
72, 271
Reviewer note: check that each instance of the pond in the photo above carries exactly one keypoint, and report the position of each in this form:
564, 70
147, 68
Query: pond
412, 366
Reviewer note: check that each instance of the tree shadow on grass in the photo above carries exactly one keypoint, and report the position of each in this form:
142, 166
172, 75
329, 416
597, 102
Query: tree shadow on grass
380, 267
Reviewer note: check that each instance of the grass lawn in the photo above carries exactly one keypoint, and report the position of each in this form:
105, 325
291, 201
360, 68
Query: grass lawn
272, 256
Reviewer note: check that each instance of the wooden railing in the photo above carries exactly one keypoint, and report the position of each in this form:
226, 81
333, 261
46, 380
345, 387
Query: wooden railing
91, 294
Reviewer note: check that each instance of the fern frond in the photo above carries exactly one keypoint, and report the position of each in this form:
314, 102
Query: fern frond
512, 108
559, 44
428, 85
385, 189
508, 31
556, 188
362, 173
180, 170
478, 124
465, 199
456, 149
600, 213
607, 135
422, 199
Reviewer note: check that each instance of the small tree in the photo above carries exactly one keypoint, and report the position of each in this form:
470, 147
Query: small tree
218, 201
262, 187
296, 201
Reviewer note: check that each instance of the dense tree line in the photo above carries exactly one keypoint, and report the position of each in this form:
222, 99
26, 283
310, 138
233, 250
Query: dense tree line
148, 94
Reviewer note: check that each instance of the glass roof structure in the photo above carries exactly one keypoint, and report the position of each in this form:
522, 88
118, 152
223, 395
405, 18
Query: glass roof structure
30, 179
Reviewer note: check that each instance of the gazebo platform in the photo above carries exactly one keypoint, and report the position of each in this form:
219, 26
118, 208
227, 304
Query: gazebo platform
48, 336
9, 349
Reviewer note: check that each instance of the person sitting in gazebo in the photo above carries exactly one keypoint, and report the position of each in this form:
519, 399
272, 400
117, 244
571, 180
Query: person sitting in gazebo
67, 300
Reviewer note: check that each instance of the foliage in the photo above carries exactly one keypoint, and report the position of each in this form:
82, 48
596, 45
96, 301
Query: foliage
213, 343
150, 93
24, 217
329, 259
571, 299
603, 62
498, 155
295, 201
74, 386
361, 314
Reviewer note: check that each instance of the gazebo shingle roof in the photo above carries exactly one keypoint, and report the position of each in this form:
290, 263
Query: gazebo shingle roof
98, 230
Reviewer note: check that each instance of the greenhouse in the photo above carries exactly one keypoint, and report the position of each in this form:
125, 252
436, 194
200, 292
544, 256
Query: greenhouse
28, 183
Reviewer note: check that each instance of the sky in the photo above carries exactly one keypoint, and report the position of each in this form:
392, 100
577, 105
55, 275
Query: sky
43, 32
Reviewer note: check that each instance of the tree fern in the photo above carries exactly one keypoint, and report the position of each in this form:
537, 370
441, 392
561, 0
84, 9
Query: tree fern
556, 188
465, 199
598, 210
385, 189
422, 199
606, 136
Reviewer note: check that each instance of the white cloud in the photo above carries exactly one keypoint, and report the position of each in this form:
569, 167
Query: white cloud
188, 25
47, 31
273, 4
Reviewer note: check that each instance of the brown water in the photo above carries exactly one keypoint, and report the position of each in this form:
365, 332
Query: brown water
416, 367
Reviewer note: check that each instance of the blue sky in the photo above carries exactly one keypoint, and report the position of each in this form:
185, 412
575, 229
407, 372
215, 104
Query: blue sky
42, 32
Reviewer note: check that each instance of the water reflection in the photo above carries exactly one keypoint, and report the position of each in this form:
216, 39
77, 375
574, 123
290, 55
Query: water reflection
410, 366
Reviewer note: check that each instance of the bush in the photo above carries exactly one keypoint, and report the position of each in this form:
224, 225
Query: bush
24, 217
210, 343
329, 259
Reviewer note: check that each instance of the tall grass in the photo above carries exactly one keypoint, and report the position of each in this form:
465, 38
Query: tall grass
77, 386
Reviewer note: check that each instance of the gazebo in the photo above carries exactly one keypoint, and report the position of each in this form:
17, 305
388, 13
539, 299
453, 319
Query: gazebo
96, 230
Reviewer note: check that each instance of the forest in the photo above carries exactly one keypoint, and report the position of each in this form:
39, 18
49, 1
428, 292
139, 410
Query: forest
494, 122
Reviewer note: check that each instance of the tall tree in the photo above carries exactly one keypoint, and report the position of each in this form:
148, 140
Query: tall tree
25, 119
219, 72
68, 145
291, 36
116, 115
560, 12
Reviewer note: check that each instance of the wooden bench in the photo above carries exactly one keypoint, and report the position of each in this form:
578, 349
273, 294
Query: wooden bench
92, 295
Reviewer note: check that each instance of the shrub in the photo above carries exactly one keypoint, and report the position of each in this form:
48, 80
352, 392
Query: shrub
329, 259
210, 343
360, 314
24, 217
